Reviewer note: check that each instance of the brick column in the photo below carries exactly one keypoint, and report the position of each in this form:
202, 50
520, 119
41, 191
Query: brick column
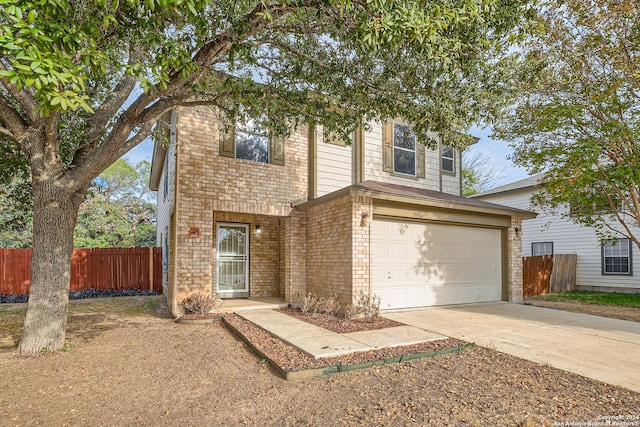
295, 257
362, 214
514, 256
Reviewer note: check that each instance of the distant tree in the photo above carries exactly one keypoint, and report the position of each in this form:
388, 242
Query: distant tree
577, 118
478, 173
83, 82
119, 211
16, 202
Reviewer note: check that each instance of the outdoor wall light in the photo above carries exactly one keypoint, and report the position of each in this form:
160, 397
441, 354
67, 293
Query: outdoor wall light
363, 221
258, 229
518, 231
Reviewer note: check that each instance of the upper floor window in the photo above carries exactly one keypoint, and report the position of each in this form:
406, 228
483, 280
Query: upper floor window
448, 159
403, 154
616, 256
404, 149
541, 248
252, 141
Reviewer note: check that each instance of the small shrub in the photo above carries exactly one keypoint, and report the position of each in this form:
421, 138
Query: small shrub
366, 306
200, 303
328, 306
308, 304
352, 312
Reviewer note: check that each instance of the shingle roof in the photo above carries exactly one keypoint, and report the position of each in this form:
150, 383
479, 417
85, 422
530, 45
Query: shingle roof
529, 182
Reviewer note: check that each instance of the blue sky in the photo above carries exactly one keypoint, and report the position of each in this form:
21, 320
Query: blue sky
497, 151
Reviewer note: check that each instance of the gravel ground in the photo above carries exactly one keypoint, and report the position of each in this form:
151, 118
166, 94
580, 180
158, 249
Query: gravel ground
129, 364
291, 359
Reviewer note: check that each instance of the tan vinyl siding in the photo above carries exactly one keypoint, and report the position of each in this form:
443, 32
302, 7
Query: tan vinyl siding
432, 168
334, 165
374, 167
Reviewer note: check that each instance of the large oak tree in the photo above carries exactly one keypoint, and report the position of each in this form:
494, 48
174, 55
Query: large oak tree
82, 82
577, 116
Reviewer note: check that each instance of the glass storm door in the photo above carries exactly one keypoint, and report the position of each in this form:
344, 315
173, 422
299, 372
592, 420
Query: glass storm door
233, 260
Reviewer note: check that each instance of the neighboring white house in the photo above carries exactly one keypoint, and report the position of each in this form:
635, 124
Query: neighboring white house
602, 265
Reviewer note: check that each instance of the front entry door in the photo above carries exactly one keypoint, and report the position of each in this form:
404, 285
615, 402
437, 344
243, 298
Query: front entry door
233, 260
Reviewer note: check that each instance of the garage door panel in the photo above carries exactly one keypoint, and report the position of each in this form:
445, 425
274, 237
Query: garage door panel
398, 251
435, 264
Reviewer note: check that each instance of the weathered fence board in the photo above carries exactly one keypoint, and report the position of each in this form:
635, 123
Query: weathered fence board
546, 274
563, 276
536, 273
97, 268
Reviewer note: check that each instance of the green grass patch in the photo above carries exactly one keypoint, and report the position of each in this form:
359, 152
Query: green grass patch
597, 298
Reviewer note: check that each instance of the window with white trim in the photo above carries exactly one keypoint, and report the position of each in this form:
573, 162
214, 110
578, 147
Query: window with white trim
541, 248
616, 256
448, 159
404, 150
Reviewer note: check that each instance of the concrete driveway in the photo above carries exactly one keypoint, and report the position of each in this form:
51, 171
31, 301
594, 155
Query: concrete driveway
604, 349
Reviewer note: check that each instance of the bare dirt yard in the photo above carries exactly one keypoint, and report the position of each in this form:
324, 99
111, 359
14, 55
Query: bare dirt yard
128, 363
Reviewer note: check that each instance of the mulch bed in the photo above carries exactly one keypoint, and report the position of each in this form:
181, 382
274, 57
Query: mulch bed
338, 324
290, 358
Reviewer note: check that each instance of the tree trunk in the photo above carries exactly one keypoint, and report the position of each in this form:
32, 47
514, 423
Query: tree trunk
55, 212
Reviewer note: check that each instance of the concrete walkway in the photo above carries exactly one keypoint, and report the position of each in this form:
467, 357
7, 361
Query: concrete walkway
318, 342
604, 349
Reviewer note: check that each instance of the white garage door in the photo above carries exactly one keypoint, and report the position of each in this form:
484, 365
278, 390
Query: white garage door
417, 265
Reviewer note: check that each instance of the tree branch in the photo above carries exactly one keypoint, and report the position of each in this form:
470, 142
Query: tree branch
27, 102
8, 133
13, 121
147, 108
115, 100
137, 138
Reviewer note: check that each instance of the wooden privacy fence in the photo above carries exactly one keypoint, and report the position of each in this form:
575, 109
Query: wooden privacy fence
548, 274
536, 273
97, 268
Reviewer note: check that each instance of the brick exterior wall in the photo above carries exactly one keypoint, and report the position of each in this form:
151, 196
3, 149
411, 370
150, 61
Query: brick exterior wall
514, 256
362, 214
295, 249
329, 249
233, 188
338, 247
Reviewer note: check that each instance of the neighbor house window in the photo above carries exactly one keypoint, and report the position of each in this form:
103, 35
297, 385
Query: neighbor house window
616, 256
541, 248
448, 159
252, 142
404, 149
165, 183
164, 239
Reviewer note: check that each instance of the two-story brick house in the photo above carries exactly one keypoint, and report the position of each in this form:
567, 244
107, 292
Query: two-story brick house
241, 215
